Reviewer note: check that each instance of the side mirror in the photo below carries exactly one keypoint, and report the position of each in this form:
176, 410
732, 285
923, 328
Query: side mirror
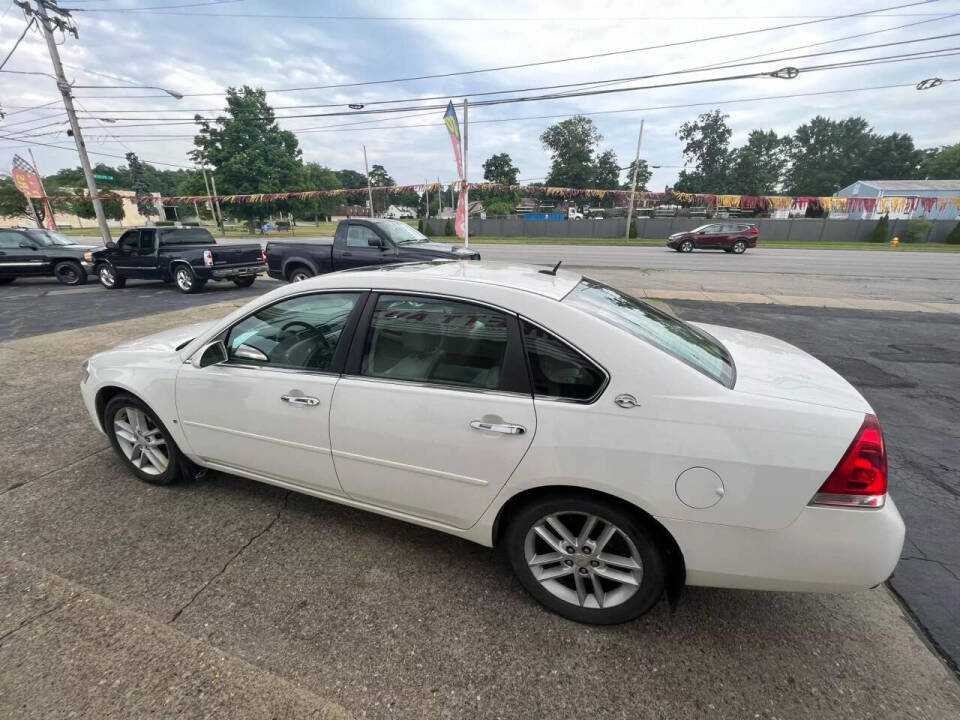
213, 354
250, 353
112, 245
377, 243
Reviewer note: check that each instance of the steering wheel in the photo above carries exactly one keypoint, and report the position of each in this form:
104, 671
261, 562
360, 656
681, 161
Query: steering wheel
292, 323
309, 330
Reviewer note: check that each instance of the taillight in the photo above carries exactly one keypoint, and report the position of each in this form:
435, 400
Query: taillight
263, 256
754, 230
208, 258
860, 478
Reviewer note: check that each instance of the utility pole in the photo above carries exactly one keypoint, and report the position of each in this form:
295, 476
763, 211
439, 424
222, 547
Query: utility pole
466, 185
426, 189
216, 204
366, 171
633, 184
45, 23
206, 184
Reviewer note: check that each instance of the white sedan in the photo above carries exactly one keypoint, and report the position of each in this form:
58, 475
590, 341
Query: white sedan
613, 451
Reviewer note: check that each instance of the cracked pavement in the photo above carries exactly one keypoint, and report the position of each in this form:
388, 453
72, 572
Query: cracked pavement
226, 597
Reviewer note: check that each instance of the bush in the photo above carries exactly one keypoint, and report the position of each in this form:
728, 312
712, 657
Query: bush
633, 229
448, 229
420, 225
164, 223
916, 230
954, 237
881, 232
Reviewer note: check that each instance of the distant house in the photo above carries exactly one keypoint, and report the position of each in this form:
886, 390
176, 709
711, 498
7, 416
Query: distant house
398, 212
902, 199
527, 205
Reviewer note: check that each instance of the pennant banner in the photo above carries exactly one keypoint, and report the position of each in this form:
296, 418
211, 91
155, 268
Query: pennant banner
453, 127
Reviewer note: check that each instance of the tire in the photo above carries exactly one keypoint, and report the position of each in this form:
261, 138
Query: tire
139, 425
299, 273
70, 272
186, 281
739, 247
686, 246
6, 281
244, 282
631, 541
108, 277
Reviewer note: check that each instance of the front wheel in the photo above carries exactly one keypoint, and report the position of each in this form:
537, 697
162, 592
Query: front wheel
108, 277
244, 282
186, 281
586, 559
686, 246
70, 272
299, 274
739, 247
142, 442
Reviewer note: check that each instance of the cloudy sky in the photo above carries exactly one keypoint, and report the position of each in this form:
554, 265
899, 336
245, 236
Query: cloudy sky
199, 47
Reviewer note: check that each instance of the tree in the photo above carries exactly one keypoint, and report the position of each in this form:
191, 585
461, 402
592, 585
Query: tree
882, 230
644, 173
706, 144
379, 177
757, 168
500, 169
249, 152
81, 205
13, 203
891, 157
140, 187
315, 176
351, 179
954, 237
941, 163
606, 174
571, 143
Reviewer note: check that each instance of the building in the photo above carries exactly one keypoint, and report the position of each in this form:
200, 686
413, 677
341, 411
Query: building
131, 216
902, 199
398, 212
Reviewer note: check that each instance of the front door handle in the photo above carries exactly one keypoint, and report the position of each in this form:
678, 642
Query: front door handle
504, 428
305, 400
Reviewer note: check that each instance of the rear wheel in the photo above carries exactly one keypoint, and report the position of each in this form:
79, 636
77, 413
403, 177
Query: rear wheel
299, 274
585, 558
186, 281
244, 281
686, 246
738, 247
70, 272
108, 277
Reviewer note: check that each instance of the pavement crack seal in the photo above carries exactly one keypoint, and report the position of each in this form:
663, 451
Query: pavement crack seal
52, 472
33, 618
232, 558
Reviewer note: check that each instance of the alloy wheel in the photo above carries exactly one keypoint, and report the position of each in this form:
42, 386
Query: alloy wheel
299, 276
686, 246
106, 275
141, 441
583, 559
184, 279
739, 246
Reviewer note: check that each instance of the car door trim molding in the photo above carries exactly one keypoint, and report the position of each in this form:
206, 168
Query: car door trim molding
254, 436
412, 468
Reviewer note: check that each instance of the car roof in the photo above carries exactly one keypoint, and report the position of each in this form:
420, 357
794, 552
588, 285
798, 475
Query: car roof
528, 278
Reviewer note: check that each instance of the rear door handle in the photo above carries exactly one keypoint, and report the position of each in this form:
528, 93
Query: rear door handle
504, 428
305, 400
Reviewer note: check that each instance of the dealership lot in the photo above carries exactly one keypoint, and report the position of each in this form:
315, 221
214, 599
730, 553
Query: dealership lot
137, 598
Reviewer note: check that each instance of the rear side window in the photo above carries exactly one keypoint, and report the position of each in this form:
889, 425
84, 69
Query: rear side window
186, 236
556, 369
437, 341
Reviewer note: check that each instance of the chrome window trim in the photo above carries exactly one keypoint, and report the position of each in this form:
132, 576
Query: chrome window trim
436, 386
280, 370
553, 398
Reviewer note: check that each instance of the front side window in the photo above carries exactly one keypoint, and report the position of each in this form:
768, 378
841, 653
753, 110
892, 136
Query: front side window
299, 333
556, 369
435, 340
361, 236
675, 337
49, 237
9, 240
129, 242
401, 233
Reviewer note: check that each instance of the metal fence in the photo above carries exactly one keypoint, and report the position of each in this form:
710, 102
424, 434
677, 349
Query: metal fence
794, 229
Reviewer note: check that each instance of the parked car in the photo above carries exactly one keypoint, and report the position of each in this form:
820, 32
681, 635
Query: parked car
731, 237
613, 451
187, 257
358, 242
41, 253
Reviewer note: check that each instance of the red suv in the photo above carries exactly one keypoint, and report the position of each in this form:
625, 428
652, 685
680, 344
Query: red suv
727, 236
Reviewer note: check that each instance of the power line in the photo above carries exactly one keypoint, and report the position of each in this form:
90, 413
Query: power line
91, 152
725, 36
17, 43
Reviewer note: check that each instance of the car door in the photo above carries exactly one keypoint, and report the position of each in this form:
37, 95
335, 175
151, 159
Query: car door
17, 260
265, 409
364, 246
710, 237
126, 257
434, 411
144, 257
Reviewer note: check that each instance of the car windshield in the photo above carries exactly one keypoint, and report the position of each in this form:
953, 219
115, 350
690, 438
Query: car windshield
685, 342
49, 237
401, 233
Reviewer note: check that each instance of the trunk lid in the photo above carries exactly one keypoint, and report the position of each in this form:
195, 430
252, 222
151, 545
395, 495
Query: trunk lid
773, 368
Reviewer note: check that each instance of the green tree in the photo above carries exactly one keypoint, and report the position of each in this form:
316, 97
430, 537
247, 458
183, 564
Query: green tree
572, 143
606, 174
500, 169
890, 157
140, 187
82, 206
249, 153
882, 230
706, 143
315, 176
917, 230
13, 203
644, 173
941, 163
954, 236
448, 229
757, 167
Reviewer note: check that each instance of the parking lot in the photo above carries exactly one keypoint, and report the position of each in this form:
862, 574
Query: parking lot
128, 600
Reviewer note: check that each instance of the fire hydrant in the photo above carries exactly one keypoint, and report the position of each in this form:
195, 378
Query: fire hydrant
894, 242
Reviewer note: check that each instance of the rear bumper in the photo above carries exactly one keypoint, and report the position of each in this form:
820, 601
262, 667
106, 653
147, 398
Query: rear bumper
236, 272
823, 550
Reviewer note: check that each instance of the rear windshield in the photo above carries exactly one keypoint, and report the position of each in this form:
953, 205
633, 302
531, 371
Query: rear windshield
684, 342
187, 236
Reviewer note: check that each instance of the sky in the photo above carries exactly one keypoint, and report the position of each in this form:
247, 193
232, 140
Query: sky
203, 46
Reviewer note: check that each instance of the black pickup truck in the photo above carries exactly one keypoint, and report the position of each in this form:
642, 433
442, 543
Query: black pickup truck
37, 253
187, 257
358, 242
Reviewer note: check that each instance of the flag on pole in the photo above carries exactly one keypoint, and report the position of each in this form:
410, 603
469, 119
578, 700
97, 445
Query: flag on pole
453, 127
26, 178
